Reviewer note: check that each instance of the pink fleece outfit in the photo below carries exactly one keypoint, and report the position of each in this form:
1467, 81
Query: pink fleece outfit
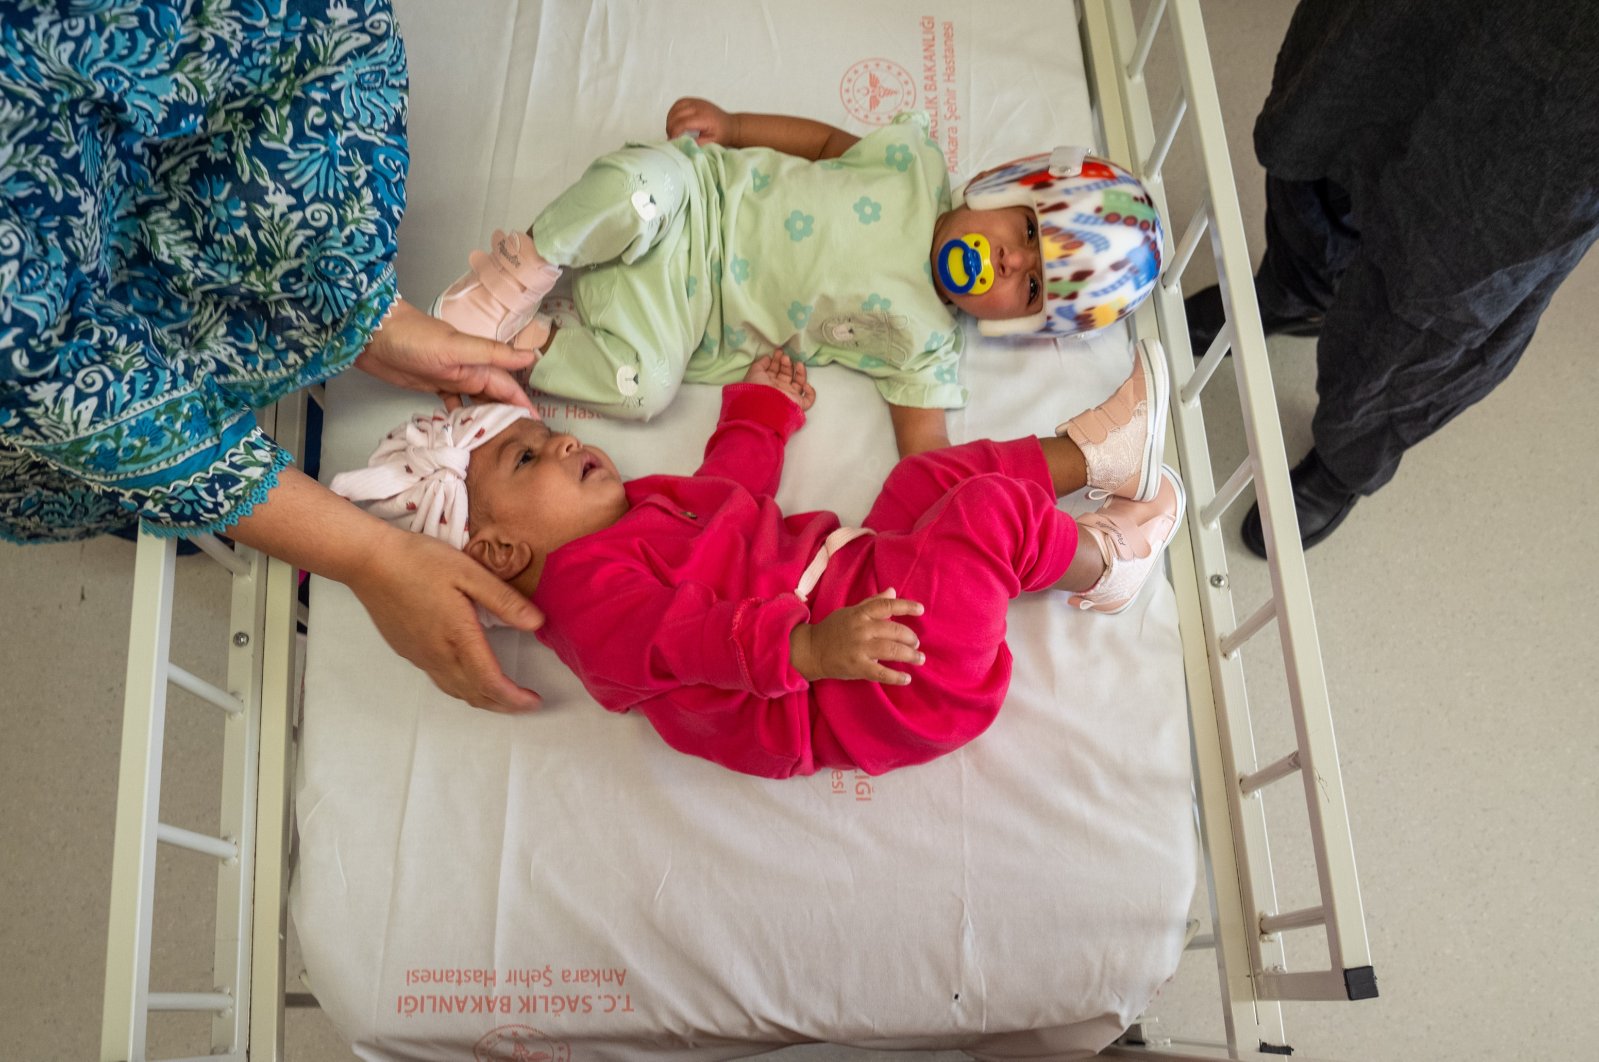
682, 609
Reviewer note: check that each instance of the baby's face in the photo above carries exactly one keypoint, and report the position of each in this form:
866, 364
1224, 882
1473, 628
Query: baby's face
1012, 234
543, 488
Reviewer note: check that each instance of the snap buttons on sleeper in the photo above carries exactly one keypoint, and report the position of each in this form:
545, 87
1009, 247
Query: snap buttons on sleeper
644, 203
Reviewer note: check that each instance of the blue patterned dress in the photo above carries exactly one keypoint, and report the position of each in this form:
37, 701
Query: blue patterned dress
198, 205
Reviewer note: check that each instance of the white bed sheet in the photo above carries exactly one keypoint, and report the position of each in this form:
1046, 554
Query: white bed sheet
470, 885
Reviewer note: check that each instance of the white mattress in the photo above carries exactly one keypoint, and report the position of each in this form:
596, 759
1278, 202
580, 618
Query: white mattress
470, 885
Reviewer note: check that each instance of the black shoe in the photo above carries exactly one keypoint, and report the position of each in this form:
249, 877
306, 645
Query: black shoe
1320, 502
1205, 318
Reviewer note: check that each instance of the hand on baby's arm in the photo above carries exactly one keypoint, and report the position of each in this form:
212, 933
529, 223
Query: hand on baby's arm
851, 642
787, 375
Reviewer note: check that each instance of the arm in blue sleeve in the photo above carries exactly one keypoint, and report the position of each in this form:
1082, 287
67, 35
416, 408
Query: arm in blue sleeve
91, 400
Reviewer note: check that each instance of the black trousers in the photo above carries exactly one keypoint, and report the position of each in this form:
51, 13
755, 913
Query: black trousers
1385, 381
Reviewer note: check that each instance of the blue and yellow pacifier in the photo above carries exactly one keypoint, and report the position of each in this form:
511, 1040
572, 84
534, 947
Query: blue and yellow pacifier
963, 265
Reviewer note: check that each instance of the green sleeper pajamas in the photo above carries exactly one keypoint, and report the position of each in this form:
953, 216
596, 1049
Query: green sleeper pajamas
695, 261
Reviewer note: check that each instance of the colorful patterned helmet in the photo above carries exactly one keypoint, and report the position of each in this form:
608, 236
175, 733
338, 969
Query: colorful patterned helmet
1099, 238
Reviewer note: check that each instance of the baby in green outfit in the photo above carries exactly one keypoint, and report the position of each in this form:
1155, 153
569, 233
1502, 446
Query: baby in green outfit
745, 234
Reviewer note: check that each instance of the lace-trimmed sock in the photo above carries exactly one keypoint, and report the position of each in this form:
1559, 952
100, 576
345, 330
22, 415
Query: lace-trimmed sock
1123, 437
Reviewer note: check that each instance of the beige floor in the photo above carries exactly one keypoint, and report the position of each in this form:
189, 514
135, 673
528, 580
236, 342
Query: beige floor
1455, 612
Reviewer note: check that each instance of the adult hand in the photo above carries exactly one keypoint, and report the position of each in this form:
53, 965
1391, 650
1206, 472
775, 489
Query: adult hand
851, 642
422, 353
418, 590
420, 594
709, 123
787, 375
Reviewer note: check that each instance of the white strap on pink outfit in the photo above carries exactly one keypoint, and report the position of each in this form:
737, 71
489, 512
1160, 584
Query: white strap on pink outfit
830, 545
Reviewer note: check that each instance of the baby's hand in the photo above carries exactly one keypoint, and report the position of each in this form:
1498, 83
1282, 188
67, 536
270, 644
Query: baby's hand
787, 375
853, 642
708, 122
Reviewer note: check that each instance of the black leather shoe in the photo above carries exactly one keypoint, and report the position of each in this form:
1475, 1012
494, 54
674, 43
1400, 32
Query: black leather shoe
1320, 502
1205, 317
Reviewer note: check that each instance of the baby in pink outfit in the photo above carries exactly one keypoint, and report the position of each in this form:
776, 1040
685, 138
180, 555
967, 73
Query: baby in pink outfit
779, 645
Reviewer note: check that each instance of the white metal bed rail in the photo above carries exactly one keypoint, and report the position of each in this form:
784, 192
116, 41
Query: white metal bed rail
244, 998
1229, 778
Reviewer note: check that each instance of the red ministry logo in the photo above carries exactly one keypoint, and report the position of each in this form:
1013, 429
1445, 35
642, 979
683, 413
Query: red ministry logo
520, 1043
874, 90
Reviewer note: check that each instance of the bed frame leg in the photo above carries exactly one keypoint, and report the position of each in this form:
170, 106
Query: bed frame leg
127, 984
252, 865
280, 688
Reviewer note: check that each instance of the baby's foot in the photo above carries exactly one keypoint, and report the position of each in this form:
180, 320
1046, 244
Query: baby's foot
1131, 536
1123, 437
500, 295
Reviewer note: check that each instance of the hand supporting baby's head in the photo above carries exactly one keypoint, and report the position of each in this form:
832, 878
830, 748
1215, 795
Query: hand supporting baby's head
492, 480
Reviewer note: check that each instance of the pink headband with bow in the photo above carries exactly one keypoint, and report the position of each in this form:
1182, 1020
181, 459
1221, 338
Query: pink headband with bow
416, 478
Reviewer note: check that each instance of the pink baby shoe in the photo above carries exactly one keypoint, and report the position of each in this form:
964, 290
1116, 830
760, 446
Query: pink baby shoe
499, 297
1123, 437
1132, 535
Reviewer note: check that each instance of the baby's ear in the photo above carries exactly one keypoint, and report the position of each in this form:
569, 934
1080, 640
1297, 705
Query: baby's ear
504, 558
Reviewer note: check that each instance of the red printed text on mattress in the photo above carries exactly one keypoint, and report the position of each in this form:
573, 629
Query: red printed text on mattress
856, 783
410, 1005
486, 990
939, 88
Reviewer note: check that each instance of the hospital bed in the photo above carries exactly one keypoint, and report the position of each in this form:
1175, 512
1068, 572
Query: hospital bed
563, 886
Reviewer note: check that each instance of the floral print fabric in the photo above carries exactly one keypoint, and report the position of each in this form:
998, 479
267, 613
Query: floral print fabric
198, 205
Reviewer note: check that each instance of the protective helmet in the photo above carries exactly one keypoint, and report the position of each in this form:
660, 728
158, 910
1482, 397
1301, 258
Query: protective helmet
1099, 238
